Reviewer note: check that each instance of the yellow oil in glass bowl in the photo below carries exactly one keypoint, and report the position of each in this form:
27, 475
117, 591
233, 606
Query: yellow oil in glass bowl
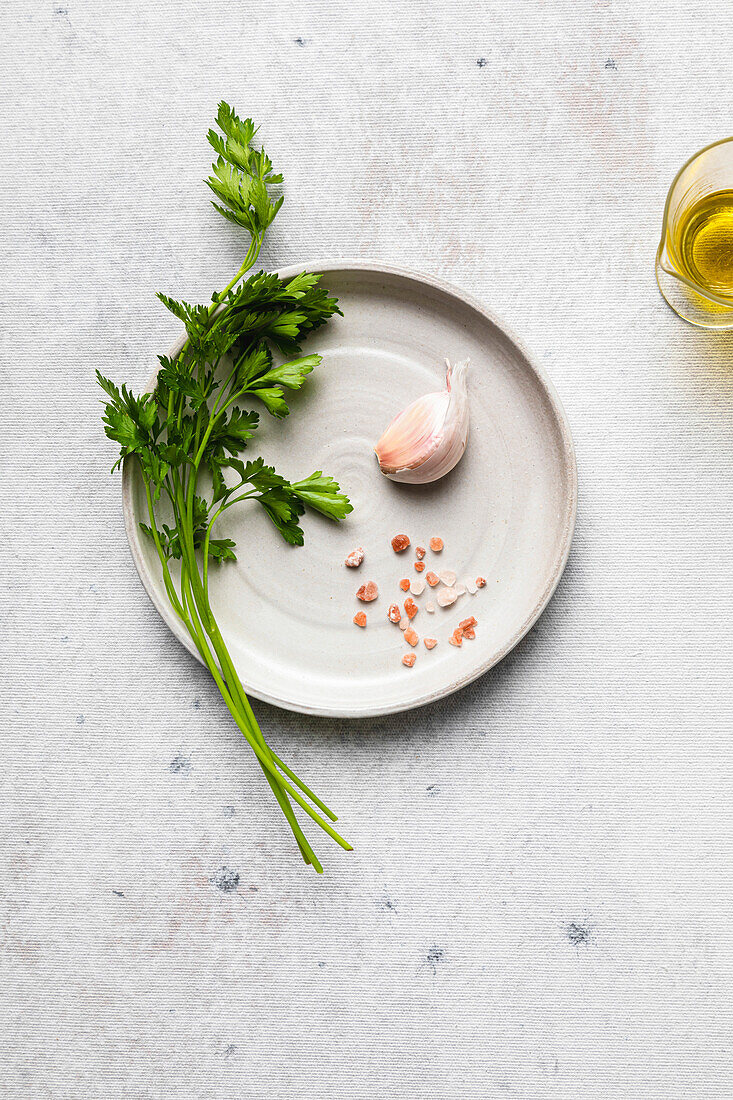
694, 264
704, 242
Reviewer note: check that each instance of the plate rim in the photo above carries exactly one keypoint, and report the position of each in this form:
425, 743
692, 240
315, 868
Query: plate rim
569, 469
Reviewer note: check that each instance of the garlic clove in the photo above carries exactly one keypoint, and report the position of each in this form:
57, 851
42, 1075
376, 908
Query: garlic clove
427, 439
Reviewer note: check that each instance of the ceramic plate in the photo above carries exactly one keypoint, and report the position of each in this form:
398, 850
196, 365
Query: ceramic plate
506, 512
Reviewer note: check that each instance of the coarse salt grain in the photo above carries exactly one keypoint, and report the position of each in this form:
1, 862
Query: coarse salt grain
417, 587
355, 558
469, 633
432, 579
446, 597
430, 643
471, 587
448, 577
409, 659
460, 588
411, 636
360, 618
410, 608
469, 622
419, 566
405, 583
430, 607
419, 552
456, 637
393, 613
404, 622
436, 544
367, 592
480, 582
400, 543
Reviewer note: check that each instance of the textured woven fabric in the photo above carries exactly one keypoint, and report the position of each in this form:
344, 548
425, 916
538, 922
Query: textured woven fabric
539, 903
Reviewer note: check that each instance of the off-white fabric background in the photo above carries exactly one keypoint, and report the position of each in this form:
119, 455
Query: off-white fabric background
539, 903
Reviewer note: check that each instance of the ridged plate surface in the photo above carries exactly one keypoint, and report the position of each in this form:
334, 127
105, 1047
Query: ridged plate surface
506, 512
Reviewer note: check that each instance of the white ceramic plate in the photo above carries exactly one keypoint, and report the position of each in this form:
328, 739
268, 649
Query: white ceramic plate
506, 512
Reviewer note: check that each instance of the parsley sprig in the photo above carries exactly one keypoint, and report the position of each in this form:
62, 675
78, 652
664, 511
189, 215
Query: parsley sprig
189, 434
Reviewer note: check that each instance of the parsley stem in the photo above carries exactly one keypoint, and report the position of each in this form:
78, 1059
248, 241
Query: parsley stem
252, 253
195, 629
202, 645
272, 777
199, 639
167, 581
306, 790
236, 693
220, 650
207, 537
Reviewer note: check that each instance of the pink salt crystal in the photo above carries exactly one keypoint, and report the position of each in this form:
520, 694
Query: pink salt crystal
446, 596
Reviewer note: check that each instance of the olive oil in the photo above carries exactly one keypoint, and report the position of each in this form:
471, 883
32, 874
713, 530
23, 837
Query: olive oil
703, 242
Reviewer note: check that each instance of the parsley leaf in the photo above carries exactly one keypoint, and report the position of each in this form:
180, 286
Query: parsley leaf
233, 432
323, 494
241, 174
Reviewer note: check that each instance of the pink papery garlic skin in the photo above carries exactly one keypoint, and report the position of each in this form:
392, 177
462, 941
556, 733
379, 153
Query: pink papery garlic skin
427, 439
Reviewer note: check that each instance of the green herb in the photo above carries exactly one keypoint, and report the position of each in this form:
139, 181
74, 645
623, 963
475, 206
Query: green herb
189, 434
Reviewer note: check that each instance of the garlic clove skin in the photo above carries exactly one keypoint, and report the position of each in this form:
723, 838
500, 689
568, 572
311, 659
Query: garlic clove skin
427, 439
